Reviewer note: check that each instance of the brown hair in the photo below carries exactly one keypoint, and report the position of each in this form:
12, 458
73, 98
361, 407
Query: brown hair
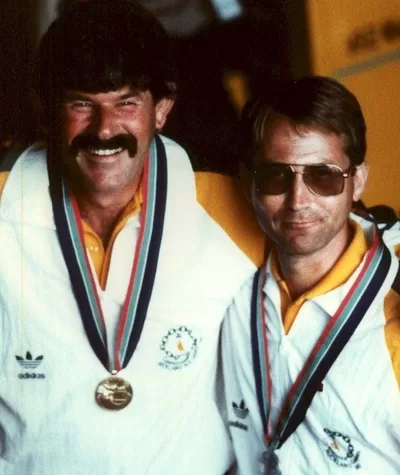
314, 102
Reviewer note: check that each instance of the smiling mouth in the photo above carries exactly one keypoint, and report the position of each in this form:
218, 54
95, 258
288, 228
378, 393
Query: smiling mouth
299, 224
100, 152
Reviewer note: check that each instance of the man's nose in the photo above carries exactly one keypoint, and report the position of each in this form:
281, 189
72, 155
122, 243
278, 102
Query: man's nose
299, 194
105, 123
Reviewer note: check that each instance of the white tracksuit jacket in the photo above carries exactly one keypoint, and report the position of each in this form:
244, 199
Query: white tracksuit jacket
50, 423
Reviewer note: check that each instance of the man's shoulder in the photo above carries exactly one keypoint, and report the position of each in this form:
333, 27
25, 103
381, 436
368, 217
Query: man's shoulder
175, 151
392, 327
10, 151
223, 198
391, 236
390, 230
396, 282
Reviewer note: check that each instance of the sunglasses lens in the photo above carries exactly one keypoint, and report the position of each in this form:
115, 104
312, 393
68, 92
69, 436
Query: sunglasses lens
273, 179
276, 179
324, 180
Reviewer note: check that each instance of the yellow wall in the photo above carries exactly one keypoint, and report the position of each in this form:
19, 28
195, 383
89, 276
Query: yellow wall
358, 43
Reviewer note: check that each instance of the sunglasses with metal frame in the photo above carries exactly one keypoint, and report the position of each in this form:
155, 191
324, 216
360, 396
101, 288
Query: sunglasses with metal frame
320, 178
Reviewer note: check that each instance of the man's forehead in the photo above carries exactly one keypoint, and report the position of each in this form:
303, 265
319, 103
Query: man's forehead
302, 143
279, 123
121, 93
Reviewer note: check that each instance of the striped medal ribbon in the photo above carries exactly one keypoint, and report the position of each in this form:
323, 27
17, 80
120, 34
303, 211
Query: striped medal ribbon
114, 392
324, 353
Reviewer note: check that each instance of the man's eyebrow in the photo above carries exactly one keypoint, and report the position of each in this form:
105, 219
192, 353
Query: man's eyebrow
81, 96
75, 96
131, 94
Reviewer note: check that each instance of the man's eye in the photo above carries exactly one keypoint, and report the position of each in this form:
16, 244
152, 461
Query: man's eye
322, 172
80, 105
275, 173
128, 103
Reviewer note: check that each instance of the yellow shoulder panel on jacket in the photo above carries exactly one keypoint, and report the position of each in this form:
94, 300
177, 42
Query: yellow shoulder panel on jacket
224, 200
392, 330
3, 179
392, 327
9, 153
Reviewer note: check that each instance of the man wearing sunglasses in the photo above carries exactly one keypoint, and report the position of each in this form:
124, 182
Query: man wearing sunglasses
311, 343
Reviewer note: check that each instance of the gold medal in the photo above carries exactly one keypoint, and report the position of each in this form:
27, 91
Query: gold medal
114, 393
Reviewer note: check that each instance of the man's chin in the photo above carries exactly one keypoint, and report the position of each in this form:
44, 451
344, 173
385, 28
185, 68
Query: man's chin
300, 246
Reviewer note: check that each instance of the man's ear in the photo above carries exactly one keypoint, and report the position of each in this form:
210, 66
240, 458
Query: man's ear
163, 108
360, 180
47, 118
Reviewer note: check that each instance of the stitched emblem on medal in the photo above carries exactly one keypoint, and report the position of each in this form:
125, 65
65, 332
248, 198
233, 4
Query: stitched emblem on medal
29, 364
241, 412
179, 347
341, 451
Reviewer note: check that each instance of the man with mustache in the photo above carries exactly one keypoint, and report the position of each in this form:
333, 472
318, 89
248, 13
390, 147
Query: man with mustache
118, 265
311, 343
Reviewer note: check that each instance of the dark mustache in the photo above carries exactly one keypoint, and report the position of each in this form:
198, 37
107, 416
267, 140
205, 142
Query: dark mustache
90, 141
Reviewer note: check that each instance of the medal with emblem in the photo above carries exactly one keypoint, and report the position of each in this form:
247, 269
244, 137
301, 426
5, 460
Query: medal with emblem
269, 463
114, 393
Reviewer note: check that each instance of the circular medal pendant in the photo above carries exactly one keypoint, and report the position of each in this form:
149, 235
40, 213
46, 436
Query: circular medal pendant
114, 393
269, 463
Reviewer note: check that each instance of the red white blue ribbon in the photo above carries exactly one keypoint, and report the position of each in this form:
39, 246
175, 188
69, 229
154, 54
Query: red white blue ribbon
70, 234
327, 348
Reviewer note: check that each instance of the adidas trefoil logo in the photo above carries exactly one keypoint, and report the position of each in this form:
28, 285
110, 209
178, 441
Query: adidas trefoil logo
240, 410
30, 364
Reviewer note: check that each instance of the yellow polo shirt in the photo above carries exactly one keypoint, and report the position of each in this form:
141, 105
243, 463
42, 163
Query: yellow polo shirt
337, 276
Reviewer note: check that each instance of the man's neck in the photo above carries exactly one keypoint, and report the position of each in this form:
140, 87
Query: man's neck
102, 212
302, 272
